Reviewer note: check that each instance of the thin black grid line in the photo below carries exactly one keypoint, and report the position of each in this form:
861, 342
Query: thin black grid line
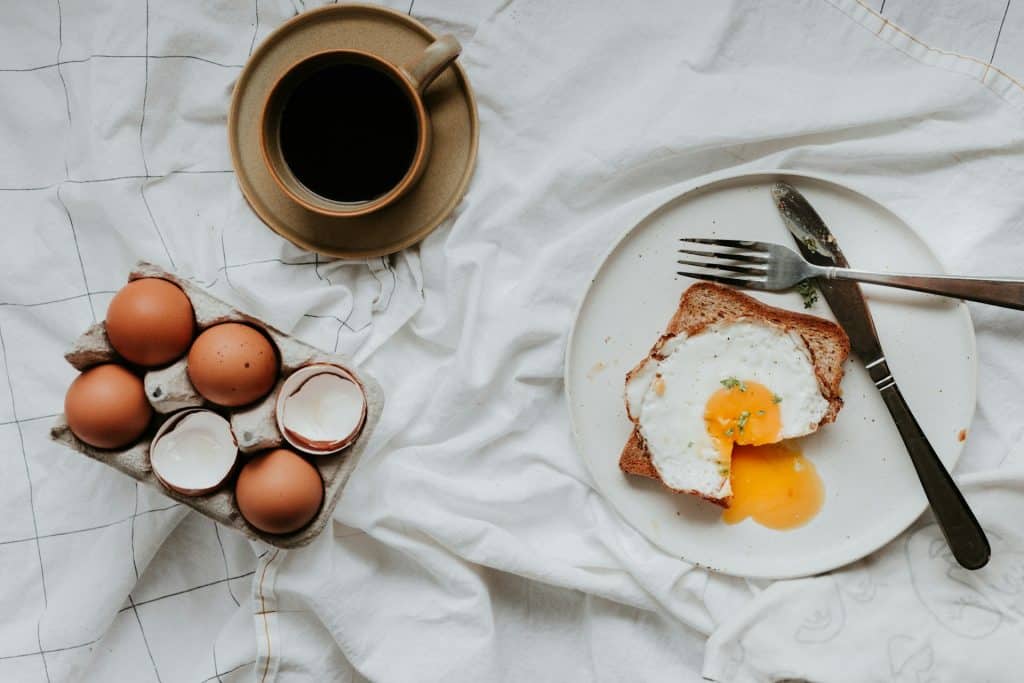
394, 281
63, 62
342, 324
224, 255
135, 513
1006, 10
145, 640
229, 671
159, 233
50, 650
267, 260
134, 605
142, 149
84, 181
411, 3
225, 266
380, 285
63, 299
89, 293
60, 199
78, 251
145, 92
882, 8
42, 655
409, 11
31, 501
227, 572
23, 420
63, 83
216, 669
28, 473
34, 188
316, 269
42, 652
89, 528
212, 62
256, 29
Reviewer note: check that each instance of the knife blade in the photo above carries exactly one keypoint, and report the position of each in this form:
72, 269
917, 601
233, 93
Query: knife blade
819, 246
964, 535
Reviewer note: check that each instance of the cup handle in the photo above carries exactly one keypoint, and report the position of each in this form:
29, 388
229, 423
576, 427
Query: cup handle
435, 58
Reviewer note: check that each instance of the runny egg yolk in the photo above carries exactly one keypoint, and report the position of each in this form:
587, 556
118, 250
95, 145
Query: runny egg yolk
771, 482
745, 413
775, 485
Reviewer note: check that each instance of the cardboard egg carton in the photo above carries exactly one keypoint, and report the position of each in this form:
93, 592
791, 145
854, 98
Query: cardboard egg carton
169, 390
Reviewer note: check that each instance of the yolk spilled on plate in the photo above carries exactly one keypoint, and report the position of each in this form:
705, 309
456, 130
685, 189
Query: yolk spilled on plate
774, 484
771, 482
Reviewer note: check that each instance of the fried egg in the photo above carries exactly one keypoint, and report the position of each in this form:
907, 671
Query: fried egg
745, 383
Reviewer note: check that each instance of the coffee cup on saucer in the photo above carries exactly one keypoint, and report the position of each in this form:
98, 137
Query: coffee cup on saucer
346, 132
353, 130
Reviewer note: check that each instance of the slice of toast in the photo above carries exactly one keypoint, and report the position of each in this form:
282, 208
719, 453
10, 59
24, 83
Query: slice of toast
706, 303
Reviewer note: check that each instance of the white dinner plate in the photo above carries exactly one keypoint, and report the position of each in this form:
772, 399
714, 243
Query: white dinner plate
871, 490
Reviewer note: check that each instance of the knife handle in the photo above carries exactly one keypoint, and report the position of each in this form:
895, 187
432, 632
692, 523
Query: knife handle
965, 537
996, 291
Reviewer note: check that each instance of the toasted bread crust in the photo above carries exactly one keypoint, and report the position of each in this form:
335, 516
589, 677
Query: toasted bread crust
635, 459
706, 303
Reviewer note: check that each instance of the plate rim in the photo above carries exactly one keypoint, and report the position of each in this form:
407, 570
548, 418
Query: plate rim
702, 183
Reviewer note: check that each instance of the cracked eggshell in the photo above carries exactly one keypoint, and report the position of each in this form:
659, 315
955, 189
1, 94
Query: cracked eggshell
93, 348
321, 408
194, 452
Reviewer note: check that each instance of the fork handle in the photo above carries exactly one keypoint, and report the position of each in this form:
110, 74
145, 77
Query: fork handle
998, 291
965, 537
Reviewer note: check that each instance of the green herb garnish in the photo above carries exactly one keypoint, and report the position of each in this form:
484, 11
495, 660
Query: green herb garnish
730, 431
808, 292
742, 421
760, 412
811, 244
733, 383
776, 398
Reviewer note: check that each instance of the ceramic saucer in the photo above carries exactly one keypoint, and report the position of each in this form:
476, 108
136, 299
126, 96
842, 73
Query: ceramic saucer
450, 103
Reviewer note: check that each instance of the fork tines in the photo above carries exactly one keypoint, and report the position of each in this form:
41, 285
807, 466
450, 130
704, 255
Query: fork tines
746, 258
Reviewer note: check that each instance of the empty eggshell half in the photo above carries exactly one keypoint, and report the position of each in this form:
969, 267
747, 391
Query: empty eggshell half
321, 408
193, 452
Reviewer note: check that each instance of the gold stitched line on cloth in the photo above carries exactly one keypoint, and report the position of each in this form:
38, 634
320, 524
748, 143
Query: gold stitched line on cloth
263, 611
928, 47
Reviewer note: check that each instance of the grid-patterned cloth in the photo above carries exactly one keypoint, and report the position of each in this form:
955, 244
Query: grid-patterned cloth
112, 148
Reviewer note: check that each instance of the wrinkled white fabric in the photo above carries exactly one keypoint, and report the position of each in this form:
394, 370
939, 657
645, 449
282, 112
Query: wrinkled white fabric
470, 544
907, 613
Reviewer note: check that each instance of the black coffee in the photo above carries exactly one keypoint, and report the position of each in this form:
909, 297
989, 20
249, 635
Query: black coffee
348, 132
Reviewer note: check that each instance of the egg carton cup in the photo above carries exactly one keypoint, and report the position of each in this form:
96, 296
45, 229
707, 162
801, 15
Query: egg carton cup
255, 427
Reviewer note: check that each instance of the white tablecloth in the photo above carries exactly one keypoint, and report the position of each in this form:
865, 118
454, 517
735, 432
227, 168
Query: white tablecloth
470, 545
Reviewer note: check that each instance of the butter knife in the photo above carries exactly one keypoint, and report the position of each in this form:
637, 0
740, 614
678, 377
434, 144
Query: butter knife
964, 535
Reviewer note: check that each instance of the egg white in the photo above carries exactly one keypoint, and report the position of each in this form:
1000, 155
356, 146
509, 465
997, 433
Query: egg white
692, 368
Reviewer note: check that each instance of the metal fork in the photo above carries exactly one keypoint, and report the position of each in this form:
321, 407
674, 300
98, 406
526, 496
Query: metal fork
763, 265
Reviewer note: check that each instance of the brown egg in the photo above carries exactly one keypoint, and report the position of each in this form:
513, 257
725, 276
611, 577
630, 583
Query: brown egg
232, 364
150, 322
106, 406
279, 492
